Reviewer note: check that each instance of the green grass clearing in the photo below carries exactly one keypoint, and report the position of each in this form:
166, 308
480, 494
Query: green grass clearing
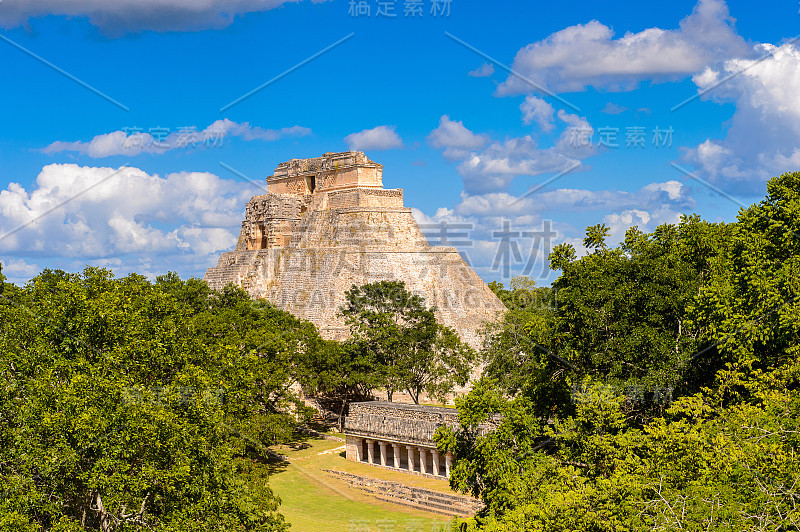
313, 501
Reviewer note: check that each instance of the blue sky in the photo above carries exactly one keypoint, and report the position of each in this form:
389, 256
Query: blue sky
154, 182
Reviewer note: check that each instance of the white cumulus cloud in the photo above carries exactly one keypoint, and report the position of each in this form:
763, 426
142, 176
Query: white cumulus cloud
655, 196
486, 227
455, 139
612, 108
764, 133
588, 54
131, 143
483, 71
537, 110
494, 167
125, 217
377, 138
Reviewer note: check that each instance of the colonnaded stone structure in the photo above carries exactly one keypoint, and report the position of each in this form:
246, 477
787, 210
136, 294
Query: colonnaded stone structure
326, 224
400, 436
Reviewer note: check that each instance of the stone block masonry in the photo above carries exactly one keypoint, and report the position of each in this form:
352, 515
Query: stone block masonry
327, 224
413, 496
400, 436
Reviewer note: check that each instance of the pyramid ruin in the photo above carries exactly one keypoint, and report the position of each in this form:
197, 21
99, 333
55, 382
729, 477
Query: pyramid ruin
326, 224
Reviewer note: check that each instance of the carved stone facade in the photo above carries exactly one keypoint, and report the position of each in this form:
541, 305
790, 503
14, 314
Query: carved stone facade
269, 221
326, 224
400, 436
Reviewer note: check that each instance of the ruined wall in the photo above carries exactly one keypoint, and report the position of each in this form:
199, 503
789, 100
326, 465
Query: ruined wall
397, 422
413, 496
270, 220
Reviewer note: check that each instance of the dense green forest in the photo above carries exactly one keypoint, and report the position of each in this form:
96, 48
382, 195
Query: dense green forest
131, 405
653, 386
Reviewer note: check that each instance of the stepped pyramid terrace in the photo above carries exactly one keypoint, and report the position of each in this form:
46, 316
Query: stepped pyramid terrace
326, 224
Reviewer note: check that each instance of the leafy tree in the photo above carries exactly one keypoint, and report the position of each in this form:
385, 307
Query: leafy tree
704, 467
596, 237
131, 405
561, 255
751, 306
380, 316
343, 371
515, 347
621, 311
437, 361
410, 349
618, 314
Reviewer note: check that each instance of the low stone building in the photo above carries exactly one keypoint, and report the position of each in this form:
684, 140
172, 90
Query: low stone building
399, 436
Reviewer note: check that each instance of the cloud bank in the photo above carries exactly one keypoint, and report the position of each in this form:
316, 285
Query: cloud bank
489, 165
123, 218
588, 55
377, 138
764, 133
118, 17
130, 143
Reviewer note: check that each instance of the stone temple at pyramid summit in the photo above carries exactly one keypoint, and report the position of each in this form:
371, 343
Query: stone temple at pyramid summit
327, 224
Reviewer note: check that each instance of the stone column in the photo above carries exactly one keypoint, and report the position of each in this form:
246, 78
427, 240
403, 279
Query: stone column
410, 457
353, 447
370, 451
435, 460
423, 466
382, 445
448, 461
359, 449
396, 449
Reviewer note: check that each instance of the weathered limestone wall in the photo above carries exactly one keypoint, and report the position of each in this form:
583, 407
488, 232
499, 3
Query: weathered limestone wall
365, 197
404, 423
393, 422
270, 220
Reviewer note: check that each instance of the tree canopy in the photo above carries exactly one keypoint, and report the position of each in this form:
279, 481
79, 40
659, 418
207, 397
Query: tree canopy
401, 339
709, 311
131, 405
617, 314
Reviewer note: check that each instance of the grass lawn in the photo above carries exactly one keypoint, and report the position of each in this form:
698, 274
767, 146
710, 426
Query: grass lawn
313, 501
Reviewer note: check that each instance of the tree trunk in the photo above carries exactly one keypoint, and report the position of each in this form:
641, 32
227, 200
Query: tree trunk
341, 413
414, 395
105, 520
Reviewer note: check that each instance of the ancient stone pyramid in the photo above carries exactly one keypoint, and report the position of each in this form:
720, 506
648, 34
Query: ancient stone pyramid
326, 224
